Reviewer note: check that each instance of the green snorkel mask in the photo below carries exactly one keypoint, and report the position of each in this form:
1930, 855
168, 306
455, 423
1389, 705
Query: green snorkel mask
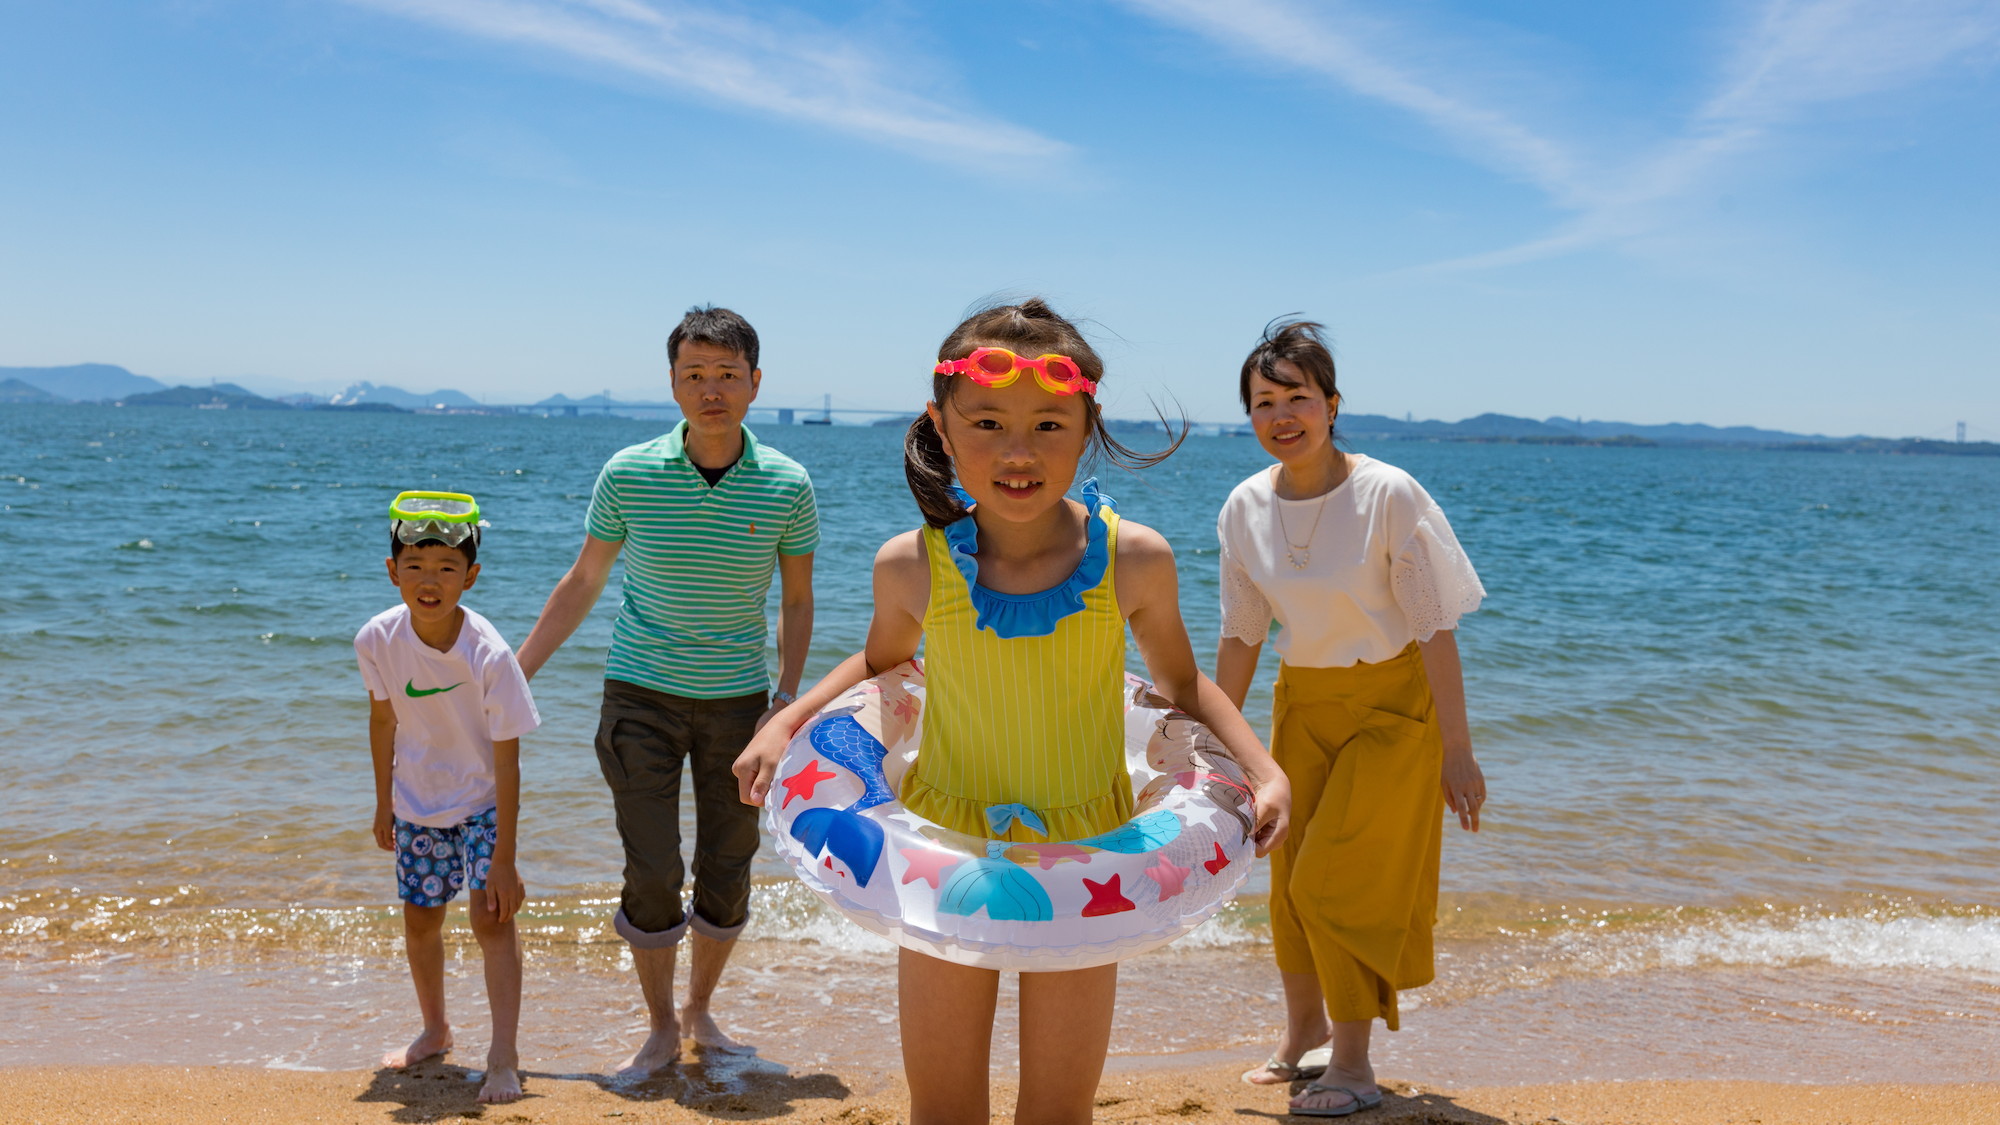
447, 517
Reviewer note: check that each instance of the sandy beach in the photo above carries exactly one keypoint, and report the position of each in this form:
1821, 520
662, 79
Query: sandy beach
736, 1090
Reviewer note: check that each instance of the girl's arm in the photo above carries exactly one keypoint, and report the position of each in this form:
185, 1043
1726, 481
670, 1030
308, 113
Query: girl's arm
1148, 592
503, 879
902, 592
1464, 782
382, 749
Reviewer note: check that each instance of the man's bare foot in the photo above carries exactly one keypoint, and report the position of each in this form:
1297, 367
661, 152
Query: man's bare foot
662, 1050
424, 1046
701, 1028
503, 1084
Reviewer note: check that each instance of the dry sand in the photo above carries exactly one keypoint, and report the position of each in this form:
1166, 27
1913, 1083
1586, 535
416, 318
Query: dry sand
739, 1091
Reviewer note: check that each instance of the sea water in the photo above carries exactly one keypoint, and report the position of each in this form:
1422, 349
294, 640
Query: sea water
1737, 711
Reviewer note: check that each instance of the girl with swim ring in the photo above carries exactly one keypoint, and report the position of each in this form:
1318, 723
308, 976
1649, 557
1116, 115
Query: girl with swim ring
1022, 609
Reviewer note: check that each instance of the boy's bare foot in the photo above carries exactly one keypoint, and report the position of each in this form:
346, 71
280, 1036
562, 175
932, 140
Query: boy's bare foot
503, 1084
662, 1050
701, 1028
429, 1043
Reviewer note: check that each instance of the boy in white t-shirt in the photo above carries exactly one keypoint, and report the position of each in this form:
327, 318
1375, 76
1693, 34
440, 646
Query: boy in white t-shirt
447, 708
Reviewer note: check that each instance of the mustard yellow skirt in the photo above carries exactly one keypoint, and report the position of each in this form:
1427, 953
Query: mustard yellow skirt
1354, 887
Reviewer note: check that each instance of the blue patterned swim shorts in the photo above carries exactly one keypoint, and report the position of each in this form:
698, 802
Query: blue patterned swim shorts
432, 864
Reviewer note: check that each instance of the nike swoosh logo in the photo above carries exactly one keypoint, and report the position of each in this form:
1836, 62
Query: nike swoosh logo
411, 689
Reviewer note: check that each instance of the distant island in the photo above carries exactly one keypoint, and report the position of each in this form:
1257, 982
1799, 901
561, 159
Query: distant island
109, 384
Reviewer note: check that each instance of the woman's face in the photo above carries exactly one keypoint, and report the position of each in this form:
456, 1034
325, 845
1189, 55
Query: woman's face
1293, 424
1014, 448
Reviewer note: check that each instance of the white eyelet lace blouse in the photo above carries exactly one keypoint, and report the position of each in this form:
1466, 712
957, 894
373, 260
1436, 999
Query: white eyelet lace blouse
1382, 567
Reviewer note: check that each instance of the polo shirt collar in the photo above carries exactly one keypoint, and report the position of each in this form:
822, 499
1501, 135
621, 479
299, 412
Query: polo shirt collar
676, 447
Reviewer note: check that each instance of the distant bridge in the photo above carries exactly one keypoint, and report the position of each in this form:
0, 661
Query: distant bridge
786, 414
797, 415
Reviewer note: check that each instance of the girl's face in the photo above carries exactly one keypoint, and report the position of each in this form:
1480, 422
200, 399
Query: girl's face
1014, 448
1293, 424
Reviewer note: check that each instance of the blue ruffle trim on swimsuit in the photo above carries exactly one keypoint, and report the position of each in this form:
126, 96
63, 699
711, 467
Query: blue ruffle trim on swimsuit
1034, 615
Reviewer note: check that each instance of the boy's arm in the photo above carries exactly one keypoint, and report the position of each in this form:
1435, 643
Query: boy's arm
382, 749
503, 879
570, 602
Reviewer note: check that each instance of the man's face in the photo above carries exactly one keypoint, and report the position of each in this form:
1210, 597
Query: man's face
714, 387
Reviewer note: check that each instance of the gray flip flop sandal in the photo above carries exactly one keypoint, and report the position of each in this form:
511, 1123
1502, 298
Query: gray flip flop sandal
1360, 1102
1311, 1065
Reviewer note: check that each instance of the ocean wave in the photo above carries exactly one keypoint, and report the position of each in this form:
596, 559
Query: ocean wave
1959, 944
1960, 940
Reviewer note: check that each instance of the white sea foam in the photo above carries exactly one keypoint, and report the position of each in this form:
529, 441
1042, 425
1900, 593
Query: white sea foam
1959, 944
790, 912
1224, 930
1946, 943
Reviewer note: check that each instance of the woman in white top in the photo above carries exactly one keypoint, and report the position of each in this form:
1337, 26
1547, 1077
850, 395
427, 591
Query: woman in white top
1366, 580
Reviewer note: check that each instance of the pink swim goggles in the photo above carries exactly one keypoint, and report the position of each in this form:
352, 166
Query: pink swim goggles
998, 367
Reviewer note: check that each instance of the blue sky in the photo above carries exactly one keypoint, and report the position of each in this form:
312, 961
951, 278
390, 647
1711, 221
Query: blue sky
1736, 211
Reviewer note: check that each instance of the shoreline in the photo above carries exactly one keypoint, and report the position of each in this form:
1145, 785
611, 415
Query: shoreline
744, 1088
1500, 1014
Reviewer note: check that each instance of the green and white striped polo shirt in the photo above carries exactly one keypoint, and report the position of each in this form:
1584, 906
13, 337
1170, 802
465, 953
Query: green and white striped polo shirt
698, 562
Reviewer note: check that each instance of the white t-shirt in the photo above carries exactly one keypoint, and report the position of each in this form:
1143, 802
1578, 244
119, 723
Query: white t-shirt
1381, 567
451, 707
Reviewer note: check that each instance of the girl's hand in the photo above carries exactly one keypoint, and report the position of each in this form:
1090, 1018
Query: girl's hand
759, 760
753, 768
1274, 812
1464, 787
385, 828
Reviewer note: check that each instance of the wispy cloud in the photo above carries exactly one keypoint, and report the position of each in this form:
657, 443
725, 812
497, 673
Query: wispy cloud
1353, 53
802, 74
1790, 57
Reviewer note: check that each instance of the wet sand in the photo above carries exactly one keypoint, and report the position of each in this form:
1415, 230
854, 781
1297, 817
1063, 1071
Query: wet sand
746, 1090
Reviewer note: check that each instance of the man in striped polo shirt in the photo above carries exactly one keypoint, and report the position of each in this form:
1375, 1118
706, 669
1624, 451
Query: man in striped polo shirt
702, 517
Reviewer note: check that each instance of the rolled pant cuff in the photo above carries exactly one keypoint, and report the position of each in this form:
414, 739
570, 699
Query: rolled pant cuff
713, 932
641, 939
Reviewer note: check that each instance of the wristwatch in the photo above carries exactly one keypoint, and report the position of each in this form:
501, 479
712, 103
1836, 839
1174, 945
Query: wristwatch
781, 698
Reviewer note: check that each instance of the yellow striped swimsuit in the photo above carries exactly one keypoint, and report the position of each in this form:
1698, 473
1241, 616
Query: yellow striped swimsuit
1024, 716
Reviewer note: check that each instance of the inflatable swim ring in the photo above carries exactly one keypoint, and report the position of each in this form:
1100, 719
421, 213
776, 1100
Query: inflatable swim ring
1059, 904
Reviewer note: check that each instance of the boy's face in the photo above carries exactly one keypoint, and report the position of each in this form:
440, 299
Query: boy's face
432, 577
714, 387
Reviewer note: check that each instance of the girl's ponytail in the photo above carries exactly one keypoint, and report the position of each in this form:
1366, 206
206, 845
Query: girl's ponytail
928, 469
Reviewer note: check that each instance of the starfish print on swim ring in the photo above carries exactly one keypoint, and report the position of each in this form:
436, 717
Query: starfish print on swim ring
1170, 876
1106, 898
804, 782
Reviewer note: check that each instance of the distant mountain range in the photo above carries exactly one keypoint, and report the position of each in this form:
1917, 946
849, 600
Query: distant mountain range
104, 382
84, 382
16, 392
1505, 427
215, 396
358, 393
